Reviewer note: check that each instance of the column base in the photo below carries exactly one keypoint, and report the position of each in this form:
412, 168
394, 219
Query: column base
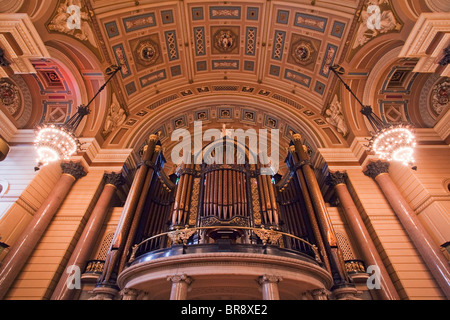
345, 293
105, 292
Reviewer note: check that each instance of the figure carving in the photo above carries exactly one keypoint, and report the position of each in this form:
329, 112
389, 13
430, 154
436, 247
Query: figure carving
375, 21
335, 117
116, 116
72, 19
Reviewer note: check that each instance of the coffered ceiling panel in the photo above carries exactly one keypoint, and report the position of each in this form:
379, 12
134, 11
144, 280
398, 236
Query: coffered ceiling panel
163, 45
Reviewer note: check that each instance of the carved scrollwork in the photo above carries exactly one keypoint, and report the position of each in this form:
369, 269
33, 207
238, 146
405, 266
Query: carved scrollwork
268, 236
214, 221
181, 236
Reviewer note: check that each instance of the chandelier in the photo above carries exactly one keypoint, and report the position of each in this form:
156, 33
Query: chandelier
58, 142
390, 142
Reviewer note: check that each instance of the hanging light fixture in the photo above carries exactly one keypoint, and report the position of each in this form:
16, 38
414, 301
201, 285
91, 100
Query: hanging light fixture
391, 142
58, 142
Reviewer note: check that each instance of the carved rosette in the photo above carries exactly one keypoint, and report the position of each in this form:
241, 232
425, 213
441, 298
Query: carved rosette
376, 168
335, 178
75, 169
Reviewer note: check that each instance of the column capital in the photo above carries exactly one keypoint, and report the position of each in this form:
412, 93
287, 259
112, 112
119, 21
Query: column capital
75, 169
130, 293
176, 278
319, 294
115, 179
376, 168
269, 278
335, 178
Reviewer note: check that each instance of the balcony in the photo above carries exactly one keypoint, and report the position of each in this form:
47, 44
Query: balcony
225, 268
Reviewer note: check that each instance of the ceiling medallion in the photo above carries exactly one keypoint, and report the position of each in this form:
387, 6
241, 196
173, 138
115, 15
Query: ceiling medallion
302, 52
148, 52
10, 96
440, 97
225, 40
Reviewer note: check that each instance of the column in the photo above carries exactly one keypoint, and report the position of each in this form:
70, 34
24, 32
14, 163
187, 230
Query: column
425, 245
113, 257
329, 237
83, 249
362, 237
23, 247
269, 286
180, 286
151, 172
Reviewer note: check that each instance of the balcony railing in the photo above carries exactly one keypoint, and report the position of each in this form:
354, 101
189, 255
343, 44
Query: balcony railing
183, 236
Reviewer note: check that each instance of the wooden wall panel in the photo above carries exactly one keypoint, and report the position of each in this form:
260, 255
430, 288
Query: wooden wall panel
48, 261
407, 269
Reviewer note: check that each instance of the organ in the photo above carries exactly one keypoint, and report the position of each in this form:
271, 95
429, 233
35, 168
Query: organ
227, 203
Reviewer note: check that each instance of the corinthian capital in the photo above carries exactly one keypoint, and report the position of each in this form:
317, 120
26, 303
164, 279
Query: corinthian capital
376, 168
269, 278
115, 179
335, 178
75, 169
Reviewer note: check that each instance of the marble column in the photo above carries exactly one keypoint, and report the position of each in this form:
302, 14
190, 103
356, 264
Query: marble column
269, 286
180, 286
23, 247
424, 243
83, 249
362, 237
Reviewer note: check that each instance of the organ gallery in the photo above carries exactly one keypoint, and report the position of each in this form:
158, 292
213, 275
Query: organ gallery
244, 150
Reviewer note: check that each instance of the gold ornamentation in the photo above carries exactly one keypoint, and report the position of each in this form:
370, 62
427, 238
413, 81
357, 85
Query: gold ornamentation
268, 236
255, 202
194, 202
181, 236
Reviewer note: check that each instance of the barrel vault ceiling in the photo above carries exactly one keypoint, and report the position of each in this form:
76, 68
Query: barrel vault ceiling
254, 63
174, 51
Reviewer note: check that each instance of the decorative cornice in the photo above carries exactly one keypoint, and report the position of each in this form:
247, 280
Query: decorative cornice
376, 168
75, 169
335, 178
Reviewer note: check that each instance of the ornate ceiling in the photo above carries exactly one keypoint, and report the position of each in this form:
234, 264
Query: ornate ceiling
261, 64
